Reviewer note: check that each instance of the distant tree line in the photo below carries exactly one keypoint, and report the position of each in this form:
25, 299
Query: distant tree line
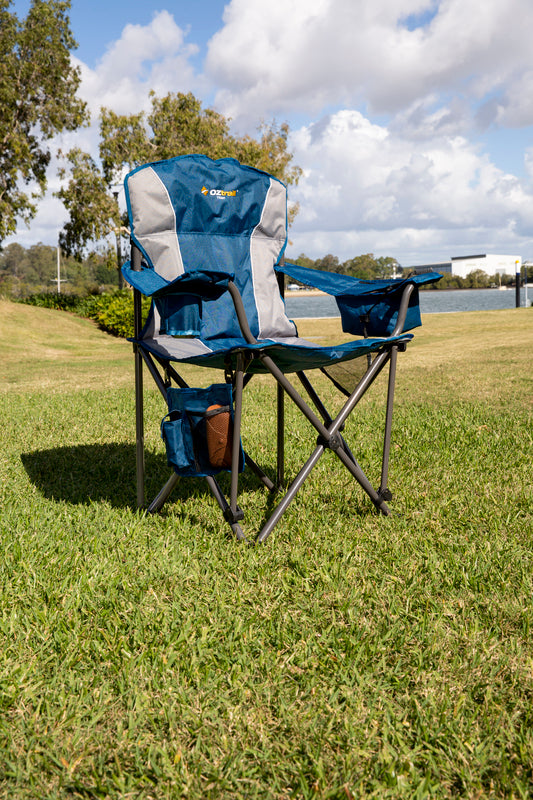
27, 271
33, 270
368, 267
477, 279
364, 267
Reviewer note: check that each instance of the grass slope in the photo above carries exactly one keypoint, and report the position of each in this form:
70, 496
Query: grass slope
351, 657
57, 351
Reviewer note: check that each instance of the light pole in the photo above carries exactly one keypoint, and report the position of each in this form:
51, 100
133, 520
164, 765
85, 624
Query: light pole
59, 280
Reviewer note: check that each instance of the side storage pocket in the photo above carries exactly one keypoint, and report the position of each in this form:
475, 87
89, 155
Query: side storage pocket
176, 433
198, 430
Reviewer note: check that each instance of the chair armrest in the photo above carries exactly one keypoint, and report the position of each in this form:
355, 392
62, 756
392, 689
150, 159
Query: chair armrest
368, 307
203, 283
241, 313
338, 285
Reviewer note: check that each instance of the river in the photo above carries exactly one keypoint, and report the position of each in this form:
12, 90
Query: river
431, 302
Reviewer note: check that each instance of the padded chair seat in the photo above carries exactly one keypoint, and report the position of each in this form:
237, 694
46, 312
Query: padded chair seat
289, 354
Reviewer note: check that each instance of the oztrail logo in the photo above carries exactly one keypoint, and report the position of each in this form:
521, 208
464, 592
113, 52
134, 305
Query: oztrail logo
218, 192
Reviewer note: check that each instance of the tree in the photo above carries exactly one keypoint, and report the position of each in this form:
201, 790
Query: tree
362, 267
329, 263
386, 266
176, 125
367, 267
38, 86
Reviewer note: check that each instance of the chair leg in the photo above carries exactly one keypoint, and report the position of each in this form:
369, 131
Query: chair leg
280, 471
384, 491
159, 501
329, 438
225, 508
139, 425
344, 452
231, 511
236, 446
297, 483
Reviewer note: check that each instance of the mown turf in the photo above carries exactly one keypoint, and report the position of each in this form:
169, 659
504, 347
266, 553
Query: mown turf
352, 656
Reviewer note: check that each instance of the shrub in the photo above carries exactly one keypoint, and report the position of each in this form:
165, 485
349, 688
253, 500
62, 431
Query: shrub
112, 311
61, 302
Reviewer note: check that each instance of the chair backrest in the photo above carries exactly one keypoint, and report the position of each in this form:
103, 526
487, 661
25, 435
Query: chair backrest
191, 213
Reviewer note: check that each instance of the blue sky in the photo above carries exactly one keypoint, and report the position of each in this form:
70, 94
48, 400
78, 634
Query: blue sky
412, 119
97, 24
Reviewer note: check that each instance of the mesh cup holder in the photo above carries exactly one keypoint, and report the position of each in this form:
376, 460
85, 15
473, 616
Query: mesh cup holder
198, 430
219, 436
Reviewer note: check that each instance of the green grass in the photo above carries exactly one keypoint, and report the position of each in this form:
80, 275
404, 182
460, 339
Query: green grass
352, 656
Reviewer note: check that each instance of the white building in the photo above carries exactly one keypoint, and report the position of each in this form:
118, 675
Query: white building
462, 266
491, 264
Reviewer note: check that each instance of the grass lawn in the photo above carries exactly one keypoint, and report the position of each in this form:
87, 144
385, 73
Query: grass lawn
353, 656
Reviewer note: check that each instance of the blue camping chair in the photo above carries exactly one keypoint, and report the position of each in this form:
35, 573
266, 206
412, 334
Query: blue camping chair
207, 240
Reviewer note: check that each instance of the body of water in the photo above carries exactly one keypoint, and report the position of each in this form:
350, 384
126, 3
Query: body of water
431, 302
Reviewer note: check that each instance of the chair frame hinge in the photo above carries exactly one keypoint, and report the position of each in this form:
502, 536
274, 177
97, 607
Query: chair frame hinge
233, 516
334, 442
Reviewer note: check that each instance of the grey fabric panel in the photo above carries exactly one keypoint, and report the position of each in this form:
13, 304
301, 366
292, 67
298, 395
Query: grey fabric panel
265, 244
154, 222
154, 325
295, 340
177, 347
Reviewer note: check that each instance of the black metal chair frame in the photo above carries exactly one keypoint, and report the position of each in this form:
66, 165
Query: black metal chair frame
328, 428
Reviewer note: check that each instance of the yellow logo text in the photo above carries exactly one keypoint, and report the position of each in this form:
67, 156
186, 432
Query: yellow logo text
219, 192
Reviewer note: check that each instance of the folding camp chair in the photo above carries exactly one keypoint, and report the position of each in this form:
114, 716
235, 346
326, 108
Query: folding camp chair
208, 239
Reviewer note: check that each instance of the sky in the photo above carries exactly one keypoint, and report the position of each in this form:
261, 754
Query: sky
412, 120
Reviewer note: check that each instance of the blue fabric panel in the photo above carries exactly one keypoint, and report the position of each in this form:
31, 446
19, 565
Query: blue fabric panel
217, 206
146, 280
180, 303
180, 314
213, 196
223, 253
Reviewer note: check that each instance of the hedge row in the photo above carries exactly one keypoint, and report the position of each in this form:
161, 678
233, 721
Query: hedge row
112, 311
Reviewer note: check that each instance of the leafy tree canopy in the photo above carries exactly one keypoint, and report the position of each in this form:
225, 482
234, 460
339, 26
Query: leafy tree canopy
176, 125
38, 86
364, 267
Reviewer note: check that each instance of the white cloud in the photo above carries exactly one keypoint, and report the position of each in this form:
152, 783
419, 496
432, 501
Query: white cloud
366, 186
154, 56
302, 55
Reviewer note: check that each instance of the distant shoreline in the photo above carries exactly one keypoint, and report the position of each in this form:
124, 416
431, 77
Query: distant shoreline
437, 288
303, 292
